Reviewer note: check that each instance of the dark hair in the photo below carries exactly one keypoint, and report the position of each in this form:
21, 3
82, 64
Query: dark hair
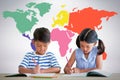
90, 36
42, 34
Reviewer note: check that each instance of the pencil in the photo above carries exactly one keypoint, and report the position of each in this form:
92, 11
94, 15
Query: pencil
34, 61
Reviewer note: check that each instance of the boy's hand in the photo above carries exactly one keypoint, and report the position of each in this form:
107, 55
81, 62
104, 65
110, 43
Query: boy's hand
36, 69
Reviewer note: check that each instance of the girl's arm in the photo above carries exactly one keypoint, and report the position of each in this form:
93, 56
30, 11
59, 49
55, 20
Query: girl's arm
98, 66
68, 66
99, 62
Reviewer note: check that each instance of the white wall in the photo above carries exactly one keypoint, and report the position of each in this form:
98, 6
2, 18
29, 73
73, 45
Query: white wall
13, 45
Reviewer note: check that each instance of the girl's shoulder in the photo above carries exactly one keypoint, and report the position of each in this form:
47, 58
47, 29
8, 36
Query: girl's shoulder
78, 51
95, 49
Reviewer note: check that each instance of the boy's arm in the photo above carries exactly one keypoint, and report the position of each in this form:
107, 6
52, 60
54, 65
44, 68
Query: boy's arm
28, 70
50, 70
24, 70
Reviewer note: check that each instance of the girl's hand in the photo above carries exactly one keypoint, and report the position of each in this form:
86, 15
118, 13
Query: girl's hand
75, 70
68, 70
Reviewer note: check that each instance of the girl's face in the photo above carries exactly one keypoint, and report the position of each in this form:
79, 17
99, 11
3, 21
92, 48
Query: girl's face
86, 47
41, 47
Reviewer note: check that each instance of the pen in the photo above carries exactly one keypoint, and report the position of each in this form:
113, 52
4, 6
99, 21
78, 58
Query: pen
34, 61
37, 67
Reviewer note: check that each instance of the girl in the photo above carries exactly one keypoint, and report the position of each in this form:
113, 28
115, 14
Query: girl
87, 56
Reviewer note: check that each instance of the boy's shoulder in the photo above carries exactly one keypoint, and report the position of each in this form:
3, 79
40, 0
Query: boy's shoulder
30, 53
49, 53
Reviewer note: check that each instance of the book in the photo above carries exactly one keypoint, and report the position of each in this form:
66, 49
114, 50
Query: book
92, 73
98, 73
16, 75
41, 75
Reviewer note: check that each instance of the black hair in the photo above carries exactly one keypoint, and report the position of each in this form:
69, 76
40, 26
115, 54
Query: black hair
90, 36
42, 34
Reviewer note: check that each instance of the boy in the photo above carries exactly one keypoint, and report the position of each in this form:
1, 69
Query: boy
40, 61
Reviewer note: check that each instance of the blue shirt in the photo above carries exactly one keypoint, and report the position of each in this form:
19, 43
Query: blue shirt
82, 62
31, 59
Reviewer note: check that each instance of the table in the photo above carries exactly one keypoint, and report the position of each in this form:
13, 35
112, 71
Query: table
114, 76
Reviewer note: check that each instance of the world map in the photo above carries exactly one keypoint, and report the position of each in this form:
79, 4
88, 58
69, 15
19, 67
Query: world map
73, 22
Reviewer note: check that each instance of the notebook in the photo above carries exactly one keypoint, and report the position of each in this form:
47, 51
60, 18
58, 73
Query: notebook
41, 75
92, 73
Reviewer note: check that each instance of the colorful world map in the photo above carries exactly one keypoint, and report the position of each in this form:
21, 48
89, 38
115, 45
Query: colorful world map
73, 22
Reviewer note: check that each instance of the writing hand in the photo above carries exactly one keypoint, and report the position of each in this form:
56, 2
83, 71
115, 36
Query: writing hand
75, 70
36, 69
68, 70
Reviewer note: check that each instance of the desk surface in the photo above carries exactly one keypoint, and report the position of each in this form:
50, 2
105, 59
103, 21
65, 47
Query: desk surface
114, 76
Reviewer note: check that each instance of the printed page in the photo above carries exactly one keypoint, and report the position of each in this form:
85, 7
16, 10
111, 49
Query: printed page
76, 74
44, 75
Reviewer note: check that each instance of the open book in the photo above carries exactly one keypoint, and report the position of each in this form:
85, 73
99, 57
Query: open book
42, 75
92, 73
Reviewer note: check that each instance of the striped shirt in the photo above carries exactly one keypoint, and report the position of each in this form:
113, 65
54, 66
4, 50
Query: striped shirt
45, 61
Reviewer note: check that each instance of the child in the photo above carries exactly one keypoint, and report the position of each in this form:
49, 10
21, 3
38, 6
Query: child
40, 61
87, 56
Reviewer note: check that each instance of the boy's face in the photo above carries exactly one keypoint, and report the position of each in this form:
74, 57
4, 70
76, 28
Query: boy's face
41, 47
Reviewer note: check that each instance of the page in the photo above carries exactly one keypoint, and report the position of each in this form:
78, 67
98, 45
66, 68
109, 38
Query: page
44, 75
76, 74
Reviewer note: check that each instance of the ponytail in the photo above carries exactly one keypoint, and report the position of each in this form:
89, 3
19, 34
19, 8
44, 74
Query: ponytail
101, 47
78, 42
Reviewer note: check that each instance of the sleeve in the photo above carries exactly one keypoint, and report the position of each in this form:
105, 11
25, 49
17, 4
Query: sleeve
25, 61
54, 62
